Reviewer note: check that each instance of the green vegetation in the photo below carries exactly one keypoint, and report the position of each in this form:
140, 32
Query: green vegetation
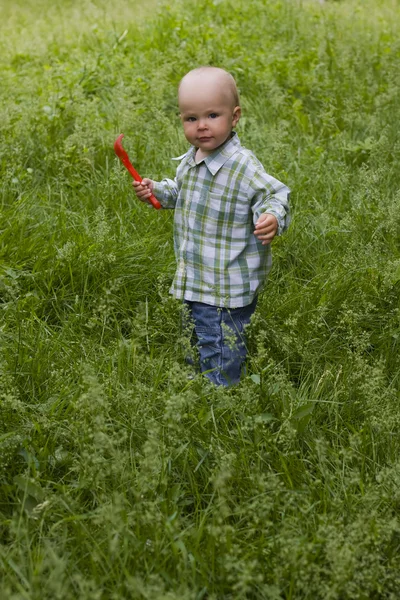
120, 476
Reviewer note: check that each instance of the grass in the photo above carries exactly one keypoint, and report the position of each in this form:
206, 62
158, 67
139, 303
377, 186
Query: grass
120, 477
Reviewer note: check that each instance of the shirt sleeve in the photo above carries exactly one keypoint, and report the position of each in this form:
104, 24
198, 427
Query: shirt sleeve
166, 191
270, 196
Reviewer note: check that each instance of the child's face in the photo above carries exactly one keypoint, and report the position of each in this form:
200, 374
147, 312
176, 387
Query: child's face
207, 114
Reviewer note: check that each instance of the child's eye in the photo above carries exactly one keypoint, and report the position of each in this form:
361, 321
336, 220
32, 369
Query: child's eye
213, 115
191, 119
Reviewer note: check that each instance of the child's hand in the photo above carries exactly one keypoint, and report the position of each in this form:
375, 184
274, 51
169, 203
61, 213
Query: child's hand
144, 189
266, 228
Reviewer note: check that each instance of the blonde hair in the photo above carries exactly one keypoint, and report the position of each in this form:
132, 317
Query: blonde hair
217, 71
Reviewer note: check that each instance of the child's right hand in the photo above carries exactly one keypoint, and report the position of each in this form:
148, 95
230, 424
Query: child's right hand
144, 189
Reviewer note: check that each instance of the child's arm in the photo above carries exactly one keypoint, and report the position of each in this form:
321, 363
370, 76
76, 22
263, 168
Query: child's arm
166, 191
270, 207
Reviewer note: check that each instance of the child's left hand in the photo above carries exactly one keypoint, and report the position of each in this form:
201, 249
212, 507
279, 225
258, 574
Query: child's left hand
266, 228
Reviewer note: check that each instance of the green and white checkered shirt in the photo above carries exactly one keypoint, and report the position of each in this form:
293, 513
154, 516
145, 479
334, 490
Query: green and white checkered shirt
217, 203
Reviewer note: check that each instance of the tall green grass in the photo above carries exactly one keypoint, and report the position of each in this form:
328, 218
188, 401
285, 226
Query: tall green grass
120, 476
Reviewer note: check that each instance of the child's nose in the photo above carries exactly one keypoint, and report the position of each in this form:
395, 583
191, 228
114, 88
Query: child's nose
202, 124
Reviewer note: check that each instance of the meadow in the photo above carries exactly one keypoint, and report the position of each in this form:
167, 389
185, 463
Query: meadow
121, 476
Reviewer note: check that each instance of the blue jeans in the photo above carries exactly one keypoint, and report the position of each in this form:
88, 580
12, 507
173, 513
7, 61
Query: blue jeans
219, 334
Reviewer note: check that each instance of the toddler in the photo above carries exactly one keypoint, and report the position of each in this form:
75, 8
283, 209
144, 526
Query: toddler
227, 212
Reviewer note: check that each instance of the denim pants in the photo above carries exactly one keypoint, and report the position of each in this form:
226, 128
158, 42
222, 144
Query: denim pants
219, 334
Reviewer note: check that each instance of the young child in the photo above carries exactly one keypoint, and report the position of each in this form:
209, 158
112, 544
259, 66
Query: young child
227, 212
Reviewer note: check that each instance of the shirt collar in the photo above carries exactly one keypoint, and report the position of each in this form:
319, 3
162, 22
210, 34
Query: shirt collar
215, 161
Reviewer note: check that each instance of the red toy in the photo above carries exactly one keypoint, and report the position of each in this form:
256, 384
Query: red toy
123, 156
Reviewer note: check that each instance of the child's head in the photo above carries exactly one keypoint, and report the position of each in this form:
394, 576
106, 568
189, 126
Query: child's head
209, 107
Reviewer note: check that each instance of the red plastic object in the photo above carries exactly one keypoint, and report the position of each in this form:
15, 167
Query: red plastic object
123, 156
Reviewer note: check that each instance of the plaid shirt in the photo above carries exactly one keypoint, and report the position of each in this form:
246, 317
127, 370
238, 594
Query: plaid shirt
217, 203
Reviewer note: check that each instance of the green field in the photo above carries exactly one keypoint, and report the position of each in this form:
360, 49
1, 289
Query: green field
121, 477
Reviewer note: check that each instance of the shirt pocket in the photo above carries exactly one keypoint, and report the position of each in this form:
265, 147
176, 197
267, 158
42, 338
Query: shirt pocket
223, 213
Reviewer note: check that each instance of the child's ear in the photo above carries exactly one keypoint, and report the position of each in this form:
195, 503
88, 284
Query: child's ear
237, 111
